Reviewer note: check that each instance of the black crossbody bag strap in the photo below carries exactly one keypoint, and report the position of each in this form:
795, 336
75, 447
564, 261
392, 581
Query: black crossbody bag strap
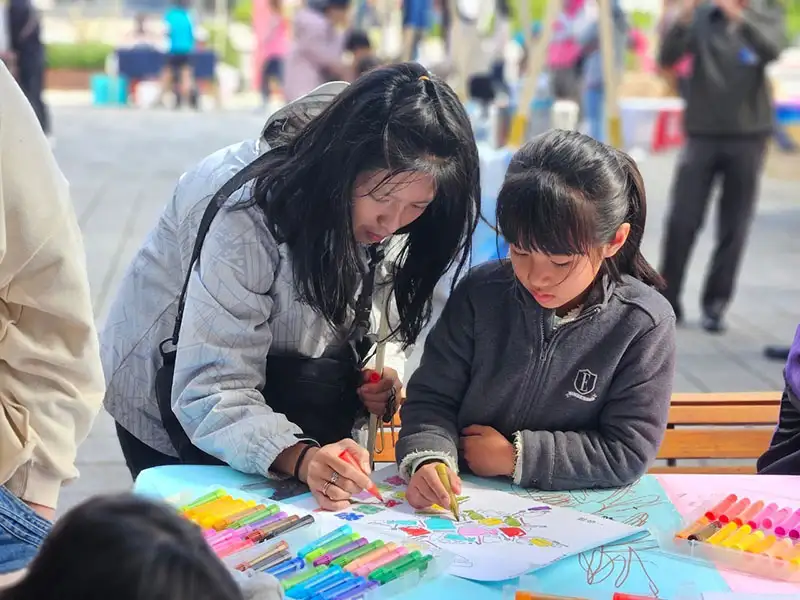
214, 206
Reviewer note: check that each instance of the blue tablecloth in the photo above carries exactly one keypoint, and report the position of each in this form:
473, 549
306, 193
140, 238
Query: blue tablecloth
634, 566
148, 63
486, 244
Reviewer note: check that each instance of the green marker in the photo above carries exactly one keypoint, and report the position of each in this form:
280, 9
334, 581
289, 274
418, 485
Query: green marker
301, 577
398, 563
340, 541
219, 493
262, 514
342, 561
418, 565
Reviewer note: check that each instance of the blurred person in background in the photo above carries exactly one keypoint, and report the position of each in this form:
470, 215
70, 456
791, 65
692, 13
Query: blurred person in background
591, 65
315, 52
178, 73
359, 46
25, 30
564, 52
728, 122
275, 44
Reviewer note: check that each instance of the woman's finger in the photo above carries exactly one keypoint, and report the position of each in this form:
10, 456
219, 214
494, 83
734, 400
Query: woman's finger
335, 493
330, 462
326, 503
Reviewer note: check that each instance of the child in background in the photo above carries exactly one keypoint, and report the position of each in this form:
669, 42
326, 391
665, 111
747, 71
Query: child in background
364, 58
275, 45
129, 548
553, 368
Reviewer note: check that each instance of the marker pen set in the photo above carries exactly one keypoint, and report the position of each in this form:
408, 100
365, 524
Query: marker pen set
231, 525
341, 565
752, 535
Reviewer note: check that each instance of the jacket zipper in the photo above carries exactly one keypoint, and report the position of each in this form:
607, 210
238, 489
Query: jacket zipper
544, 357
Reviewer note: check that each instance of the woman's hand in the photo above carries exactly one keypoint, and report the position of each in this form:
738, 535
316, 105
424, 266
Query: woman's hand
375, 395
331, 480
487, 451
425, 489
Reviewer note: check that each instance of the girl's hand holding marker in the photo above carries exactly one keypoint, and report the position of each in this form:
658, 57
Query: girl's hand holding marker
426, 488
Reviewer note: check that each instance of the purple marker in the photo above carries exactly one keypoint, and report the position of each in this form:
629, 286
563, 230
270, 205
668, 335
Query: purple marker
326, 559
787, 525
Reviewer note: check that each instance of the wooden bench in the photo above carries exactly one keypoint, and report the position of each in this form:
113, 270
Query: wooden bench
718, 427
701, 426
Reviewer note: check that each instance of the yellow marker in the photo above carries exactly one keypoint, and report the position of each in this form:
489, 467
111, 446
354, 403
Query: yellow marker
781, 550
693, 528
737, 536
763, 545
207, 521
196, 510
722, 534
750, 540
444, 477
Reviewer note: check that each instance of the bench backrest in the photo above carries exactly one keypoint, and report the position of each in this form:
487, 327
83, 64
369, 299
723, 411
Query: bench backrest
719, 427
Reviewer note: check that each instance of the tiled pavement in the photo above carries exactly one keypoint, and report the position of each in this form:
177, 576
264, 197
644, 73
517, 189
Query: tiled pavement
123, 165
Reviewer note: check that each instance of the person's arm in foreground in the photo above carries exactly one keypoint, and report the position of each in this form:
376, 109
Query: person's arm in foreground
629, 432
221, 361
430, 415
51, 379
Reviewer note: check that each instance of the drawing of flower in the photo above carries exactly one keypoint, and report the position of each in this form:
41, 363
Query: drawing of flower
349, 516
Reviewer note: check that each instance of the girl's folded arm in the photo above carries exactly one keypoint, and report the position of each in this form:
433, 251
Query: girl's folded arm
630, 429
434, 395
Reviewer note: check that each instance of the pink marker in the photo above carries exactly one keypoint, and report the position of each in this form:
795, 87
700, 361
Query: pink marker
787, 525
368, 568
776, 519
233, 547
221, 538
767, 511
244, 530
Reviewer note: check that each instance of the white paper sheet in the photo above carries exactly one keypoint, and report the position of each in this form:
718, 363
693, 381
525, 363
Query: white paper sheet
500, 536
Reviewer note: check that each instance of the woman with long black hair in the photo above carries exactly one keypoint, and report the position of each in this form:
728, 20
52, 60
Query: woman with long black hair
279, 243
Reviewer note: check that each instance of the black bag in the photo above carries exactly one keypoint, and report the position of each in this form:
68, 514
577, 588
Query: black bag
317, 394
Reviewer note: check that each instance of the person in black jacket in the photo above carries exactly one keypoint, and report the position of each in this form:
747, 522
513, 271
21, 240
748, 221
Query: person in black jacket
26, 43
728, 122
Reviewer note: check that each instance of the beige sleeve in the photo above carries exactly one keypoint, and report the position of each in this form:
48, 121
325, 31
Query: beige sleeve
51, 366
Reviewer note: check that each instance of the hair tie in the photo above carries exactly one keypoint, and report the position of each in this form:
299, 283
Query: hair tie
424, 78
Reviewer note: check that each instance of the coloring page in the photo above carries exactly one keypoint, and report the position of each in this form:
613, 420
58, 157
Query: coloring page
500, 536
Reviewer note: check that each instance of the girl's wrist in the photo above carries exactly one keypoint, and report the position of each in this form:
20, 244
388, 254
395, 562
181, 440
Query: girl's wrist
304, 461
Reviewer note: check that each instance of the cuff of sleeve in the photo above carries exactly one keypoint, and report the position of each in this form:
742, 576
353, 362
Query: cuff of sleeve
269, 450
537, 470
518, 450
32, 483
413, 461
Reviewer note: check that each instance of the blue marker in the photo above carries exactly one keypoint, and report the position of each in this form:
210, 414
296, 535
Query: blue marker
327, 584
286, 568
329, 537
352, 591
300, 590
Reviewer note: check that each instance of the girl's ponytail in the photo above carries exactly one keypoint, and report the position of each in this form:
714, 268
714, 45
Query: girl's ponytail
629, 260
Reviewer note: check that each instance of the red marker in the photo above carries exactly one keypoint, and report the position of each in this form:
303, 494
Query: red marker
374, 377
348, 457
621, 596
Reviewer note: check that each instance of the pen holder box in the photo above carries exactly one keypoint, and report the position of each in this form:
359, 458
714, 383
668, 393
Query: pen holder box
745, 533
324, 524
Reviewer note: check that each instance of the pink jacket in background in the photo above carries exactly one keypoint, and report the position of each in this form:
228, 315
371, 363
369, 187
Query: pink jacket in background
316, 47
276, 41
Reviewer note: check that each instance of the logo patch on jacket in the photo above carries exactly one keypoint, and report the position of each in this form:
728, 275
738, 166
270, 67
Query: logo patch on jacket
584, 386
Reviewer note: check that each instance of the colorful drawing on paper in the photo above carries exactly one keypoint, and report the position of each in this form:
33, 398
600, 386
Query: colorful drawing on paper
630, 564
500, 535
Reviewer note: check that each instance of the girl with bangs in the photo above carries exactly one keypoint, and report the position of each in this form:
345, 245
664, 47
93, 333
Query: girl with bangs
242, 330
554, 367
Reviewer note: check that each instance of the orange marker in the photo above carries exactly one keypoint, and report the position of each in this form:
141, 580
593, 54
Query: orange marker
781, 550
693, 528
368, 558
734, 511
351, 460
748, 513
714, 513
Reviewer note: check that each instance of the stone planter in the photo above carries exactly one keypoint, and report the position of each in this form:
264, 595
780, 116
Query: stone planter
67, 79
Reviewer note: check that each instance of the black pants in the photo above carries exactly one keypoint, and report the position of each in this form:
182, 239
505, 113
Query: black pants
738, 162
138, 455
30, 76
